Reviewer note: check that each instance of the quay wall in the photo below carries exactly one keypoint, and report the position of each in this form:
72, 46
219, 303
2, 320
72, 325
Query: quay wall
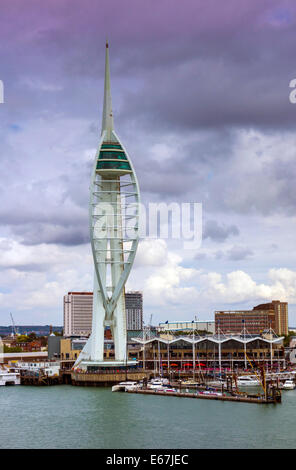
105, 379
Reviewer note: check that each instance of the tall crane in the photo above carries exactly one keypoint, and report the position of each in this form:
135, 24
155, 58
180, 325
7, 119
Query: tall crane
13, 324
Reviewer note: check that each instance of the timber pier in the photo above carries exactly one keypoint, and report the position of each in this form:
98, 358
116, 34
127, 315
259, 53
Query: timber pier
275, 398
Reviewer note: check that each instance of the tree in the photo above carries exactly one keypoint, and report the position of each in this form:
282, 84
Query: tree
287, 338
22, 339
32, 336
14, 349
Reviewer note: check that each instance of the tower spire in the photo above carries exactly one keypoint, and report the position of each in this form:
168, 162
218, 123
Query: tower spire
107, 121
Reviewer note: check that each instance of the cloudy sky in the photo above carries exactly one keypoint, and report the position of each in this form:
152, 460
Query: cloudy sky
200, 100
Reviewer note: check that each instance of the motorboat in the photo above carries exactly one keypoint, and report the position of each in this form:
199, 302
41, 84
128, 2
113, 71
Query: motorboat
247, 381
217, 383
157, 384
288, 385
210, 393
125, 386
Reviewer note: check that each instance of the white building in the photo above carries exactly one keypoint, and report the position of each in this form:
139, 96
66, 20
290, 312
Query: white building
50, 368
208, 326
78, 307
78, 313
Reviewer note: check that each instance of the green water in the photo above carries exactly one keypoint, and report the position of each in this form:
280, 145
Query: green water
77, 417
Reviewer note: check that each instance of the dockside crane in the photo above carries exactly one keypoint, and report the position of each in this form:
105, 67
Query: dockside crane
13, 325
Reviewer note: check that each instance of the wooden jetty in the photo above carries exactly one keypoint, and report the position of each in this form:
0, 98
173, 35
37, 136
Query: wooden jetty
275, 398
41, 379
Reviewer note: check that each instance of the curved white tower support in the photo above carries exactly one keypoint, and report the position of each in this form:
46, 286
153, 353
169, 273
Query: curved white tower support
113, 222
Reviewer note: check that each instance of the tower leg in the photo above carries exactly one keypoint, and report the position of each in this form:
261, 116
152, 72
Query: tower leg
119, 330
98, 325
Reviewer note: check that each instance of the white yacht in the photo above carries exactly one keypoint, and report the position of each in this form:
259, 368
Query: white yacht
124, 386
210, 393
288, 385
217, 383
157, 384
247, 381
8, 377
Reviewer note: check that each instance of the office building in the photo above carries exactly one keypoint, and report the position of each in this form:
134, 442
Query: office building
134, 310
78, 307
254, 321
78, 313
280, 310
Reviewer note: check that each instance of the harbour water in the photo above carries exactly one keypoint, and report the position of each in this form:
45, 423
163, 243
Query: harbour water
67, 417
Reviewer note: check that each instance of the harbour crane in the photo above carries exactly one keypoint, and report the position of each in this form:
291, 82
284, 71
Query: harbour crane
13, 325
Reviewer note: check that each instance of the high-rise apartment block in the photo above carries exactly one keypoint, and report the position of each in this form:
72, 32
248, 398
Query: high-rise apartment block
134, 310
78, 313
280, 310
78, 308
263, 317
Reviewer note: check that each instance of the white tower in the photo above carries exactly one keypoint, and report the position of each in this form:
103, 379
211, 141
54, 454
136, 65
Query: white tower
113, 221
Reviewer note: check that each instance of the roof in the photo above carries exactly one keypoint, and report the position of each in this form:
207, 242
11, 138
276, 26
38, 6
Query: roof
186, 321
212, 339
26, 354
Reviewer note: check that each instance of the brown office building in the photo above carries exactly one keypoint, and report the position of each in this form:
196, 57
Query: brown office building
255, 322
280, 310
262, 317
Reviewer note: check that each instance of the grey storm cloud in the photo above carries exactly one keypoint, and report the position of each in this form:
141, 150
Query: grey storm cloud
218, 232
196, 79
239, 253
236, 253
35, 234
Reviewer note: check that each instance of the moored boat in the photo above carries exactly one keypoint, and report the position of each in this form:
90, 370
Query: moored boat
288, 385
247, 381
157, 384
124, 386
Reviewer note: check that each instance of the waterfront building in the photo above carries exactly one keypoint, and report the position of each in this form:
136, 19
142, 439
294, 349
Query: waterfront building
254, 321
187, 326
272, 315
12, 357
113, 222
54, 346
184, 353
230, 351
280, 310
78, 307
50, 368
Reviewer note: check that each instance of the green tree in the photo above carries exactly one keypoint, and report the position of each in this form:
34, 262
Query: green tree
7, 349
32, 336
22, 339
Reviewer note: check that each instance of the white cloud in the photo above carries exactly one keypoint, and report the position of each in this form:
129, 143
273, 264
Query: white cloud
238, 286
151, 252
